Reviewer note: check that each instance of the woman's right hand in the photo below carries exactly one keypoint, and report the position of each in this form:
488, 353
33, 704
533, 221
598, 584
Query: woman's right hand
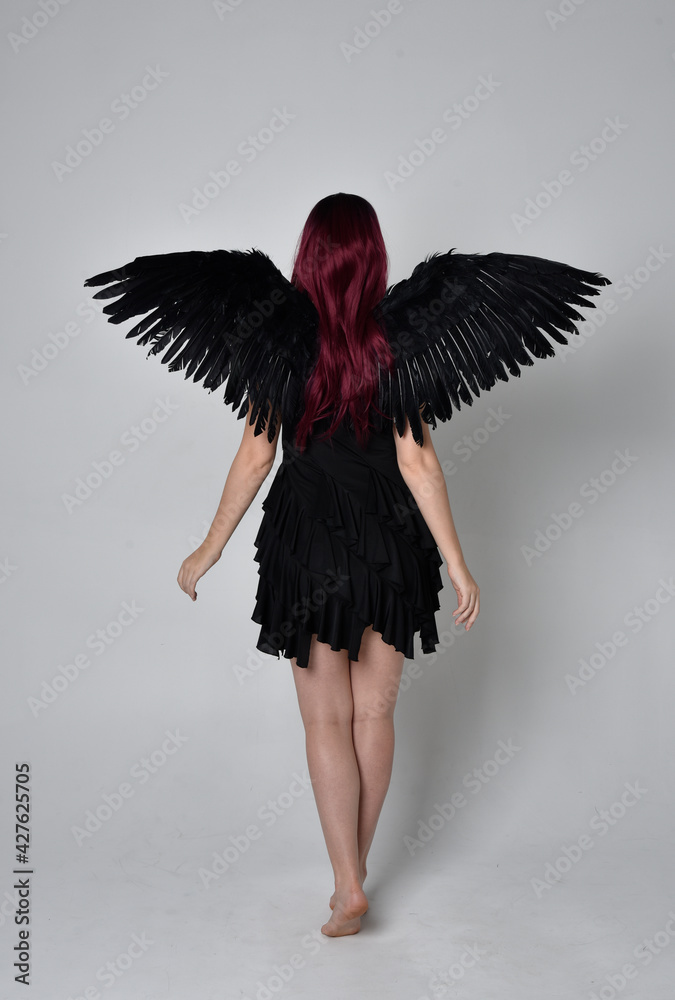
468, 594
194, 567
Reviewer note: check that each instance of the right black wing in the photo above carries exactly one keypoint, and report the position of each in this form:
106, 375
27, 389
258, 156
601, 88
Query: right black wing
460, 319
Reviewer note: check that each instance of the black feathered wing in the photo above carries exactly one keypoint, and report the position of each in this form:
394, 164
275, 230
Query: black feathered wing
460, 320
221, 315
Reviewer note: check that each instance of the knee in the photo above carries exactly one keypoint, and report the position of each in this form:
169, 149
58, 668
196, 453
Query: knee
328, 720
377, 707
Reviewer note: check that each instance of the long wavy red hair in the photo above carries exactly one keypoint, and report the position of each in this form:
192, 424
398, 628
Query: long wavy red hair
341, 262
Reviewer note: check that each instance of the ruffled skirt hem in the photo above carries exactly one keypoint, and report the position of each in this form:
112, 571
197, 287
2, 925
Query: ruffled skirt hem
339, 565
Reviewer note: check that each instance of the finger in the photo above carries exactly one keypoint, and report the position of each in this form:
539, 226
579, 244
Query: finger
474, 615
463, 605
185, 582
467, 612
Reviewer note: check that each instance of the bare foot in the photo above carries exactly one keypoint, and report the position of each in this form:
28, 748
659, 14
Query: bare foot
347, 913
331, 902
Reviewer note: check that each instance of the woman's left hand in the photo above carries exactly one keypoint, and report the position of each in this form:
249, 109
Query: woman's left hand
194, 567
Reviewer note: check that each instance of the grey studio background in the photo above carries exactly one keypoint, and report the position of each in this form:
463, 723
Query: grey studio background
525, 847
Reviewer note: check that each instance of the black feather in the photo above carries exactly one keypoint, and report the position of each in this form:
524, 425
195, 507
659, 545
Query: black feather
456, 326
460, 320
220, 315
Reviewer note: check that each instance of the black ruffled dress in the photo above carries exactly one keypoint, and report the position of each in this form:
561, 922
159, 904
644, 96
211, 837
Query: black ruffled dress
342, 545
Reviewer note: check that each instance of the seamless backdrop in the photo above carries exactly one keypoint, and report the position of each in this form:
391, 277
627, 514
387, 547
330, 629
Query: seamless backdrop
525, 846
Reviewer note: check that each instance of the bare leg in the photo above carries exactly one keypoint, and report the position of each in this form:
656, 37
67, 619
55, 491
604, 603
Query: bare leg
325, 701
375, 680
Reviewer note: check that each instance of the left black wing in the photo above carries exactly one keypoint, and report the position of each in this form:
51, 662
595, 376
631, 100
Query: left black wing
460, 319
221, 314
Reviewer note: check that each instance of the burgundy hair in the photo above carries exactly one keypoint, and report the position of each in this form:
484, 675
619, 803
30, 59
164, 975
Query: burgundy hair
341, 263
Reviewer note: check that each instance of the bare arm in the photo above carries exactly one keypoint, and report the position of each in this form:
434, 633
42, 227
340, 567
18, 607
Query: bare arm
241, 486
249, 469
424, 477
